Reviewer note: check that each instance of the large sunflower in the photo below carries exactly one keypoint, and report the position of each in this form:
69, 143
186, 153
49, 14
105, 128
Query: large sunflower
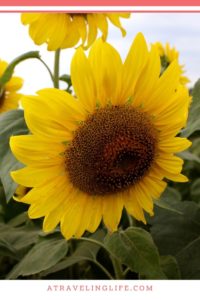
9, 97
168, 55
112, 146
61, 30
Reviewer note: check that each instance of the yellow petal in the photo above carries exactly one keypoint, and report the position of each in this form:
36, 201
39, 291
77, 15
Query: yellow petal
36, 152
14, 84
91, 216
102, 24
170, 163
153, 185
114, 19
28, 18
80, 25
3, 66
174, 111
112, 211
71, 219
96, 208
133, 66
32, 177
144, 198
52, 219
148, 79
164, 90
174, 144
92, 30
83, 80
106, 64
133, 207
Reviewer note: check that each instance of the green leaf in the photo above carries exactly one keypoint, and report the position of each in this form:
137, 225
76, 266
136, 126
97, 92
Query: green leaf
45, 254
67, 79
193, 119
186, 155
135, 248
168, 200
6, 249
170, 267
2, 197
85, 251
172, 231
19, 219
11, 123
10, 68
195, 190
15, 242
189, 260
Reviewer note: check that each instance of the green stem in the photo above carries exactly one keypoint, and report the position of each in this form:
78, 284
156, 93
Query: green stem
116, 264
103, 269
117, 268
126, 272
94, 242
56, 68
48, 69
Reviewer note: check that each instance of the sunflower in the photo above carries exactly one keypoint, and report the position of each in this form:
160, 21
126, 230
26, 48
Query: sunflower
112, 146
61, 30
167, 56
9, 97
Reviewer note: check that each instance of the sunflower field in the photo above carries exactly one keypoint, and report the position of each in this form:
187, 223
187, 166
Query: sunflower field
100, 180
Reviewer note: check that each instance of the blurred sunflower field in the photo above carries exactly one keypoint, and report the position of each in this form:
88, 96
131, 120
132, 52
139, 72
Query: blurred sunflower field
99, 179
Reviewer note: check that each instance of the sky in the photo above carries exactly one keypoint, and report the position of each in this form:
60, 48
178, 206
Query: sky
181, 30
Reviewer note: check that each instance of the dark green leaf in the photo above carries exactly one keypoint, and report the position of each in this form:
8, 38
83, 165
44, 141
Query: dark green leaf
135, 248
66, 78
6, 249
195, 190
15, 242
193, 119
10, 68
170, 267
186, 155
168, 199
19, 219
84, 251
172, 231
189, 260
45, 254
11, 123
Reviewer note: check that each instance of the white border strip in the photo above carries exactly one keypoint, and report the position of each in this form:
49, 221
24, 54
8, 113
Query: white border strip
101, 8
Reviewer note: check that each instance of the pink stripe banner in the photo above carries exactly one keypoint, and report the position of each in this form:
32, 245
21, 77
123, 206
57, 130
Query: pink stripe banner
133, 3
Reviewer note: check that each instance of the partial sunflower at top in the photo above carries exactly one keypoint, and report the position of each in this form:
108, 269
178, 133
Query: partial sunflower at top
61, 30
167, 56
9, 97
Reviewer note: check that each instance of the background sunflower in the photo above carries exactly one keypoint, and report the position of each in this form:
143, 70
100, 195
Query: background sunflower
62, 31
9, 96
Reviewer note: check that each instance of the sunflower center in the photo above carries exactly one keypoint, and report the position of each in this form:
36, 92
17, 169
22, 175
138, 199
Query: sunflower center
112, 150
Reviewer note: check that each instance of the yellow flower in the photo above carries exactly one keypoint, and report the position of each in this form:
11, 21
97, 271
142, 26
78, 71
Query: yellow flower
61, 30
111, 146
168, 55
9, 97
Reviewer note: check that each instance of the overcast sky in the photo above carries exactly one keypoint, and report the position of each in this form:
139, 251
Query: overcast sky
179, 29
